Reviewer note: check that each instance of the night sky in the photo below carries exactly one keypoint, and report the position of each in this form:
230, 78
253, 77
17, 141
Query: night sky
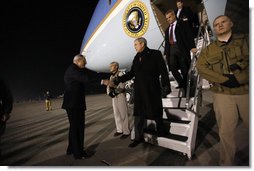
39, 41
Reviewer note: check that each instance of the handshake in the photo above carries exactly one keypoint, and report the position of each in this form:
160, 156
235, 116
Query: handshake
111, 83
113, 90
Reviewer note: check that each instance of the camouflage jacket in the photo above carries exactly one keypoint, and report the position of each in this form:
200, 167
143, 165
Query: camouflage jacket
215, 59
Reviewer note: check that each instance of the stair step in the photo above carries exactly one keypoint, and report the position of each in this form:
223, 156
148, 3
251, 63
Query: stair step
178, 127
176, 93
179, 114
168, 136
176, 145
174, 103
176, 121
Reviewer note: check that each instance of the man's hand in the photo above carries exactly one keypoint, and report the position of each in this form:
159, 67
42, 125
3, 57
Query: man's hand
105, 82
194, 50
5, 117
231, 82
165, 91
235, 67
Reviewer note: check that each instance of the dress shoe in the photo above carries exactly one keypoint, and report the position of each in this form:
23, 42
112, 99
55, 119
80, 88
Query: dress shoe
79, 158
85, 154
124, 136
82, 157
68, 153
162, 134
134, 143
117, 134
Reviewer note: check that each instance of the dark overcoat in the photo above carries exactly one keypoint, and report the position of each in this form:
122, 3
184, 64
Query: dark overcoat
147, 67
75, 80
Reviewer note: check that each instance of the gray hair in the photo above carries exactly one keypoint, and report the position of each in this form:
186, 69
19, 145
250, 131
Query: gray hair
142, 40
115, 63
78, 57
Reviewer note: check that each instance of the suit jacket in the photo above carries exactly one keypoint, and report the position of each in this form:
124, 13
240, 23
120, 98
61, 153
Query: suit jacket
75, 80
188, 15
184, 38
147, 67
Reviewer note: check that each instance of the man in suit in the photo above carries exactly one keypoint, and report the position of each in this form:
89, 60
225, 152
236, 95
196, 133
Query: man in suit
147, 67
74, 103
184, 13
179, 42
6, 103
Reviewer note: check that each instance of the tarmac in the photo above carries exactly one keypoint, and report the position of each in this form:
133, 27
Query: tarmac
36, 137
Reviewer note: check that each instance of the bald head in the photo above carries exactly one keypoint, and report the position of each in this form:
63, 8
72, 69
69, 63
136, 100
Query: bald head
79, 60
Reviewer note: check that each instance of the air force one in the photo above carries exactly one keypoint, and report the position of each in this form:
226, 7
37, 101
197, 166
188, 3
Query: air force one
116, 23
109, 37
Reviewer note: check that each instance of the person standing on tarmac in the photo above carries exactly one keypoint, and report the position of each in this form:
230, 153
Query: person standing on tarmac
225, 64
74, 102
120, 108
48, 97
6, 104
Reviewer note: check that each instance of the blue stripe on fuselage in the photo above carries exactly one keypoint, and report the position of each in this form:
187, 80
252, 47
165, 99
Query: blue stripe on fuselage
99, 14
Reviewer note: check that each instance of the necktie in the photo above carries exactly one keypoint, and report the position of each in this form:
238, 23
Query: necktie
171, 40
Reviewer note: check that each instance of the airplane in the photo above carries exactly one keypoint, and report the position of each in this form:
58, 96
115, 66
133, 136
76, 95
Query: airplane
115, 25
109, 36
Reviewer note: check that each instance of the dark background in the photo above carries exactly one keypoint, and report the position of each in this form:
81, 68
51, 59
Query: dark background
38, 42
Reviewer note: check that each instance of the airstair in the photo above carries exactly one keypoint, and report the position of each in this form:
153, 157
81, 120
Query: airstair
180, 116
180, 111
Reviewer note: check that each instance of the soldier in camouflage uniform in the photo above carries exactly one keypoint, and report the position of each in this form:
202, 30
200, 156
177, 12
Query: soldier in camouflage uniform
225, 64
117, 93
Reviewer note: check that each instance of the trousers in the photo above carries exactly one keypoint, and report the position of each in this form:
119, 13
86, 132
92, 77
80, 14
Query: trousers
76, 132
229, 109
121, 114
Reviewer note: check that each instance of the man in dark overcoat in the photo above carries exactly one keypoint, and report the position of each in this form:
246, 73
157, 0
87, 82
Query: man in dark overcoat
147, 67
74, 103
179, 42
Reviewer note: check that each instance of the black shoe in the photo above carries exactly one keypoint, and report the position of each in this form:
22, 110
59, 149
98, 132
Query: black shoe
82, 157
162, 134
134, 143
79, 158
68, 153
117, 134
85, 154
124, 136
